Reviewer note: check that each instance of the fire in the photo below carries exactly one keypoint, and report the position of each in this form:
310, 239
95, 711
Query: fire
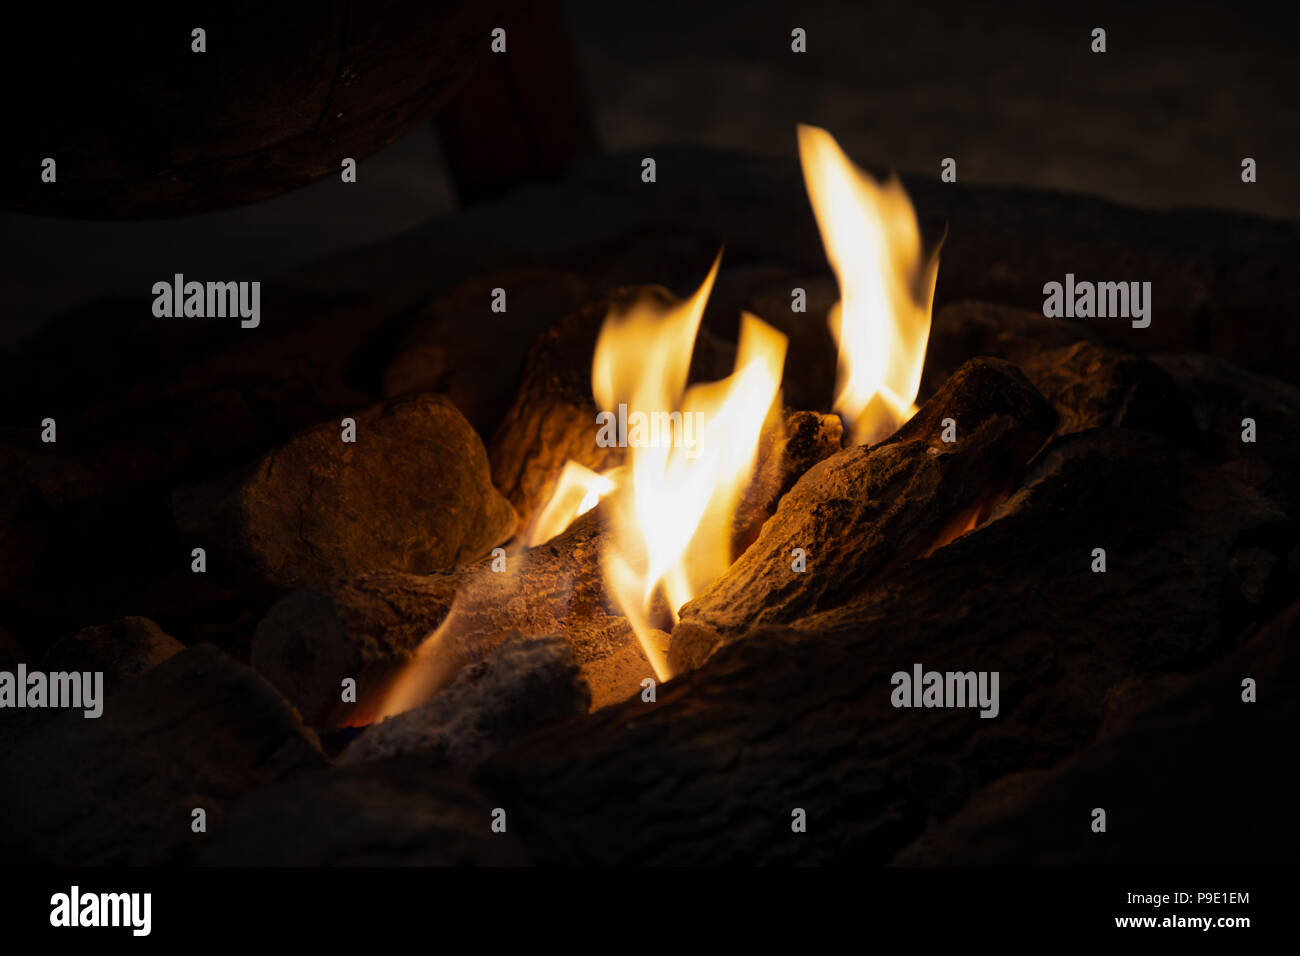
577, 491
671, 515
882, 321
672, 505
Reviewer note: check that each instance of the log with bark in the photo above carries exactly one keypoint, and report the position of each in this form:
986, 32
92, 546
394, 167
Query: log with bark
1162, 801
801, 716
426, 628
372, 627
854, 513
553, 417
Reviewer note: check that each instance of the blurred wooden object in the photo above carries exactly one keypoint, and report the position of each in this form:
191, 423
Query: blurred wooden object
141, 126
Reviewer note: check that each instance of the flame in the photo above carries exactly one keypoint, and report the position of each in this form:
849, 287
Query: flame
577, 491
882, 321
672, 505
671, 515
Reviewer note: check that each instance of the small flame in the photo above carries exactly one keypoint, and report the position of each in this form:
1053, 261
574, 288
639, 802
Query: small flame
577, 491
671, 516
882, 321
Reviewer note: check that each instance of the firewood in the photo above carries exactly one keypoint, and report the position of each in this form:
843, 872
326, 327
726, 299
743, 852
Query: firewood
801, 716
1145, 769
1092, 385
406, 811
851, 515
785, 452
374, 629
526, 684
553, 417
1226, 401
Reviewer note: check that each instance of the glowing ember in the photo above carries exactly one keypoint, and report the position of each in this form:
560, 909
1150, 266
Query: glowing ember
882, 321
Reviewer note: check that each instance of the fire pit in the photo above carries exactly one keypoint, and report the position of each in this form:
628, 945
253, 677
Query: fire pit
540, 563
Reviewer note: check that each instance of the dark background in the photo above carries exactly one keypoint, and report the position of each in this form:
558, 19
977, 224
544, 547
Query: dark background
1011, 91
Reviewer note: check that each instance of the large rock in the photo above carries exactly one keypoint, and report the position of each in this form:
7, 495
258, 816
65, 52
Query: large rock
411, 494
197, 731
123, 649
365, 629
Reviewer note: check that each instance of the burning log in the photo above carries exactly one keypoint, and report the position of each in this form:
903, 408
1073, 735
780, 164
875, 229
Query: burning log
426, 628
553, 418
410, 493
801, 717
526, 684
784, 454
557, 588
856, 512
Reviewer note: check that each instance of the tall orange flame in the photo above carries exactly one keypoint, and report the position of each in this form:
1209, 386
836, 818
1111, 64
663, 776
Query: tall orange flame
882, 321
671, 517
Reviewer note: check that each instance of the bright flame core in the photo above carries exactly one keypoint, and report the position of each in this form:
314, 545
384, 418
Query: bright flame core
671, 515
577, 491
882, 321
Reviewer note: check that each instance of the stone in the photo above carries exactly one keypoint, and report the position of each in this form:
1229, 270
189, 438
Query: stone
412, 494
123, 650
198, 730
